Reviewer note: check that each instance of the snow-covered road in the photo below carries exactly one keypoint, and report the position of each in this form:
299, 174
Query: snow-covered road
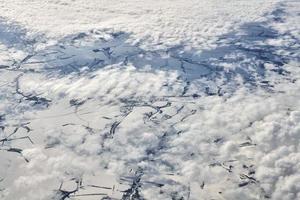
149, 100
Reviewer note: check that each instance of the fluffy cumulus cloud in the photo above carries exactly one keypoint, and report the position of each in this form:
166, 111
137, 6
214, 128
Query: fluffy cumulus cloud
142, 100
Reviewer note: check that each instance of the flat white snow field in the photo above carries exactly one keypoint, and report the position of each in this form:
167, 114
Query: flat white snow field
149, 100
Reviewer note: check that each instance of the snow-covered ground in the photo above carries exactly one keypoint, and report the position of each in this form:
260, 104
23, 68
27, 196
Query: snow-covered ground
141, 99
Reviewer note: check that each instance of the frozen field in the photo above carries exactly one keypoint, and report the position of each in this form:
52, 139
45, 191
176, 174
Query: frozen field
154, 100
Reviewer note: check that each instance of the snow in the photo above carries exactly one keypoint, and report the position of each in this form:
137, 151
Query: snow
149, 100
